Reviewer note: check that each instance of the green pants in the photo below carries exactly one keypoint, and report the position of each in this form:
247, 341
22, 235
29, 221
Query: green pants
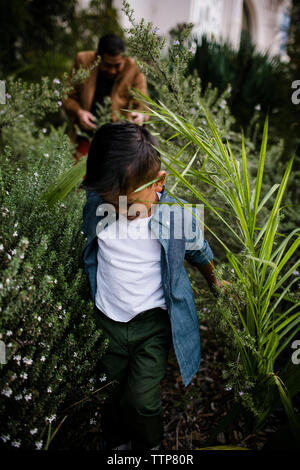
136, 358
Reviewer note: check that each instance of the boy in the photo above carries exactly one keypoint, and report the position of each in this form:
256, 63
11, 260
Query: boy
142, 295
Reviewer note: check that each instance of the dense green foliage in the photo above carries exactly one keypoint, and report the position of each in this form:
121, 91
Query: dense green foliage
46, 323
254, 77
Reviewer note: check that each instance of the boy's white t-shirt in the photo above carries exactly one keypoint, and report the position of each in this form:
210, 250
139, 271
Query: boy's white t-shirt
129, 270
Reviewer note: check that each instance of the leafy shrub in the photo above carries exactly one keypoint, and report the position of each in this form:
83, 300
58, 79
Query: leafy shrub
46, 323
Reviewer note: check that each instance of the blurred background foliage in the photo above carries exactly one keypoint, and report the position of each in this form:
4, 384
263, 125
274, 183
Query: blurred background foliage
42, 38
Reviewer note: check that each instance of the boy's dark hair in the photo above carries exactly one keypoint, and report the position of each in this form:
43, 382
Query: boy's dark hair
110, 44
121, 159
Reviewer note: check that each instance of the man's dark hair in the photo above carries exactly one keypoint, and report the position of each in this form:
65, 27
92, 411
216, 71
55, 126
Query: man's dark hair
110, 44
121, 159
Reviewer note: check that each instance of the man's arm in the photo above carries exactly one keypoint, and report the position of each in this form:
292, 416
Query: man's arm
140, 83
72, 104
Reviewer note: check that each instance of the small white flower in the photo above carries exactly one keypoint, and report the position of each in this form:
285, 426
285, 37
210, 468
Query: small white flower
17, 357
46, 155
16, 224
102, 379
7, 96
56, 80
295, 273
43, 359
176, 43
18, 397
14, 252
7, 392
5, 438
28, 396
50, 418
36, 174
241, 393
59, 103
1, 247
9, 256
56, 92
93, 421
75, 354
155, 30
15, 234
44, 130
258, 107
39, 445
24, 375
228, 389
59, 307
9, 333
16, 443
33, 431
39, 318
27, 361
55, 281
49, 390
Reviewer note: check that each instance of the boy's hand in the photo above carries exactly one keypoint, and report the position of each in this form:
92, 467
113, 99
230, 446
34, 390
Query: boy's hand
219, 285
208, 272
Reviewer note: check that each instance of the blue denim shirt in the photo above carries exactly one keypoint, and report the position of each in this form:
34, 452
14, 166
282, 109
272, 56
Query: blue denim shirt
176, 285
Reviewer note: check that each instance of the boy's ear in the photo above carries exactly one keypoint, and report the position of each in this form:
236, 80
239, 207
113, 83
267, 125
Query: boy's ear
159, 184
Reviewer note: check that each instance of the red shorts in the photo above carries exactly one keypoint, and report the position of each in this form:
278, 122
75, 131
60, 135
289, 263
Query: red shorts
83, 147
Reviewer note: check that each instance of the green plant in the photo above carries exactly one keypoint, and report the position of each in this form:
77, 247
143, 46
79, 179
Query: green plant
263, 313
46, 322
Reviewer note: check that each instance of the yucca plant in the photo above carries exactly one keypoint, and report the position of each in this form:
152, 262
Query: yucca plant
265, 315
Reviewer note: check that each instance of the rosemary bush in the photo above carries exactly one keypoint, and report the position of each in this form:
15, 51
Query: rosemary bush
52, 345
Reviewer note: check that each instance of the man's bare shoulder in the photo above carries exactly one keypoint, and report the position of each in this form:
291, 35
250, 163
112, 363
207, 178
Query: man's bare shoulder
86, 58
131, 66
